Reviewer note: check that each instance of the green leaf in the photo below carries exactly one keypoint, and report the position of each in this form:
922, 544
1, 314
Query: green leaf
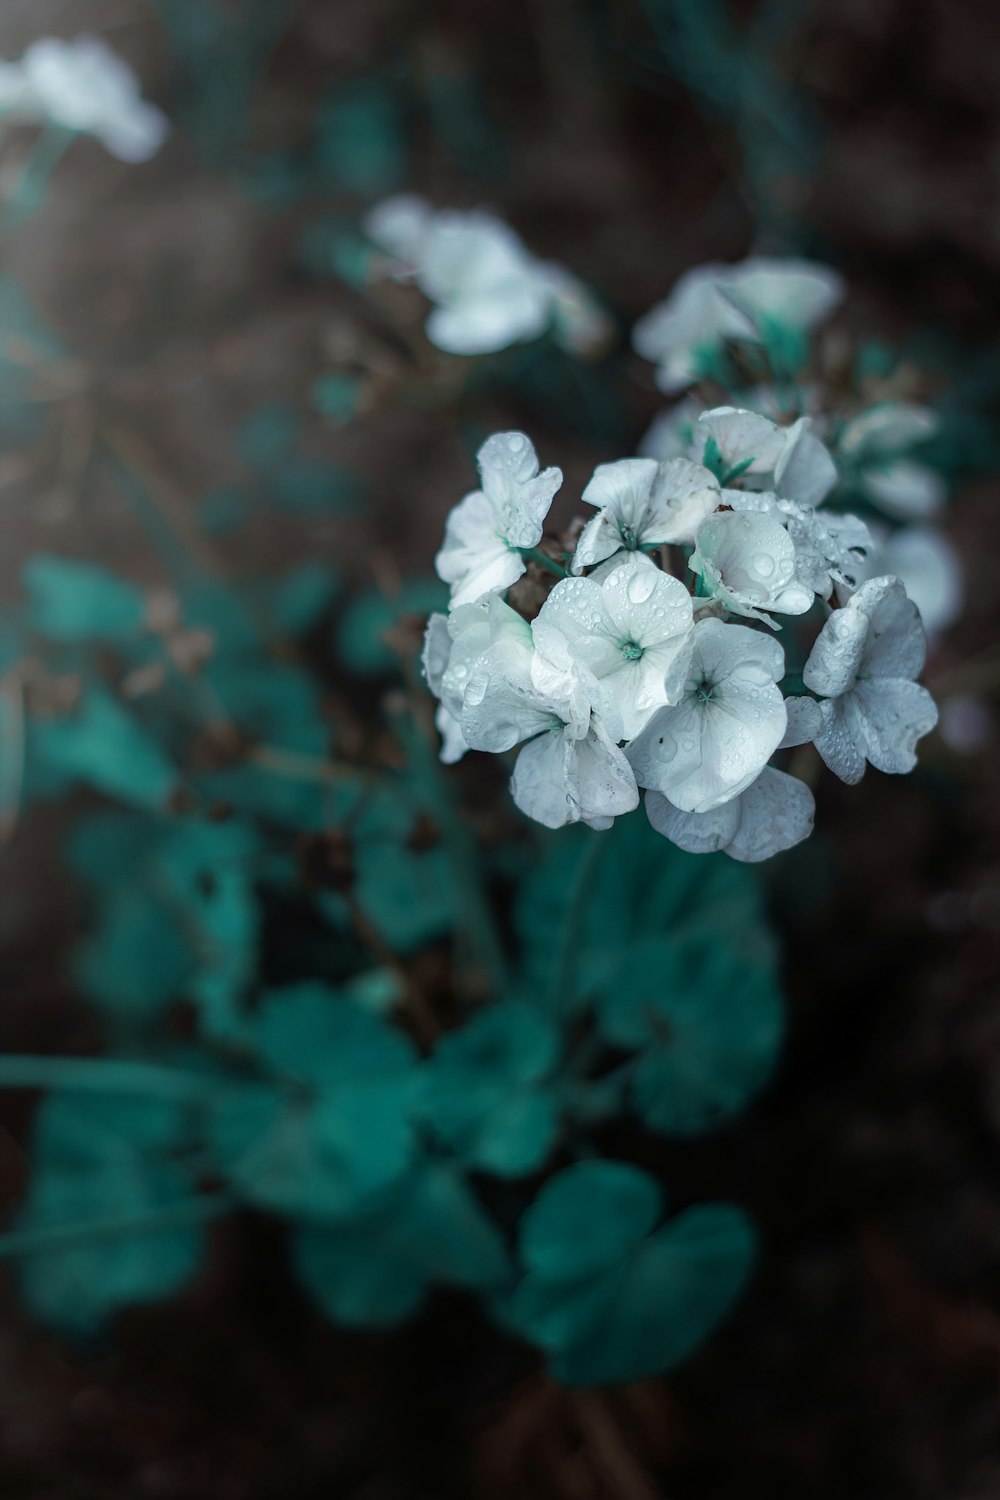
336, 395
586, 1217
484, 1091
611, 1301
77, 601
708, 1032
361, 637
373, 1271
99, 1159
334, 1129
361, 146
266, 437
315, 487
103, 746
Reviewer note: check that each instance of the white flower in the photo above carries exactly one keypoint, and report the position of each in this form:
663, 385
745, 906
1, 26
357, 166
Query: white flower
864, 661
747, 561
485, 531
752, 450
82, 85
631, 629
488, 289
644, 504
713, 304
452, 646
875, 447
570, 770
775, 812
710, 746
930, 568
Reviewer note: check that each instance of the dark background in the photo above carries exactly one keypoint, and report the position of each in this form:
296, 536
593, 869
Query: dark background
626, 143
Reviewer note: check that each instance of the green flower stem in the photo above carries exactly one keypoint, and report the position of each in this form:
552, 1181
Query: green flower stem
477, 912
58, 1236
536, 555
563, 972
102, 1075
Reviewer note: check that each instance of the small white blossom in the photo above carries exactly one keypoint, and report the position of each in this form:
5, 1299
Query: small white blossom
82, 85
747, 562
754, 451
713, 304
729, 721
570, 770
631, 629
641, 503
863, 662
488, 290
485, 531
774, 813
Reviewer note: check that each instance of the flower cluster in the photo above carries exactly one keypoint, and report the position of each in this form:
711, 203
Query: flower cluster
488, 290
83, 86
653, 662
745, 328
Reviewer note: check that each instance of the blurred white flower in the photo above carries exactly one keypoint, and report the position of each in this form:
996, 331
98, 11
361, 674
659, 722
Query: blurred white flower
931, 570
710, 746
774, 813
82, 85
644, 504
747, 562
570, 770
631, 629
876, 450
488, 289
713, 304
485, 531
863, 662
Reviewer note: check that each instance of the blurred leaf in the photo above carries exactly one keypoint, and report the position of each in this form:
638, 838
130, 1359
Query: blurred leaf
298, 599
76, 601
104, 747
267, 436
484, 1090
315, 488
336, 396
333, 1130
607, 1298
360, 143
360, 638
101, 1159
457, 106
373, 1272
706, 1022
332, 246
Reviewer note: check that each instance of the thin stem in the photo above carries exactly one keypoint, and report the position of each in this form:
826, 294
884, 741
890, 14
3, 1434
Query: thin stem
562, 974
102, 1075
536, 555
187, 1211
415, 732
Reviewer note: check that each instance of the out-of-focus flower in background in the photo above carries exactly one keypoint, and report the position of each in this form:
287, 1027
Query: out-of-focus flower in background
82, 86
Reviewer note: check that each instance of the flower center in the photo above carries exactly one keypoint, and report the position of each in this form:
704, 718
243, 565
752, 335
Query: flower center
632, 651
702, 690
629, 538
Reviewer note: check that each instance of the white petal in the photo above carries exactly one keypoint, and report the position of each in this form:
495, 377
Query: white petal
437, 650
833, 661
501, 706
775, 812
931, 571
601, 781
908, 490
798, 293
508, 465
684, 494
805, 722
539, 783
841, 741
894, 716
896, 645
698, 833
485, 324
398, 225
887, 429
805, 472
453, 745
743, 438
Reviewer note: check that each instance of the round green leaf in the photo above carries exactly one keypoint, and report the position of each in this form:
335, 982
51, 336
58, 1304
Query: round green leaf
587, 1217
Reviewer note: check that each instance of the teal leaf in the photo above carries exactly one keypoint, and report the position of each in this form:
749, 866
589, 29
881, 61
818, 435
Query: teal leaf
102, 746
361, 146
706, 1024
336, 395
333, 1129
373, 1271
77, 601
104, 1160
266, 437
485, 1092
610, 1301
361, 637
316, 488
